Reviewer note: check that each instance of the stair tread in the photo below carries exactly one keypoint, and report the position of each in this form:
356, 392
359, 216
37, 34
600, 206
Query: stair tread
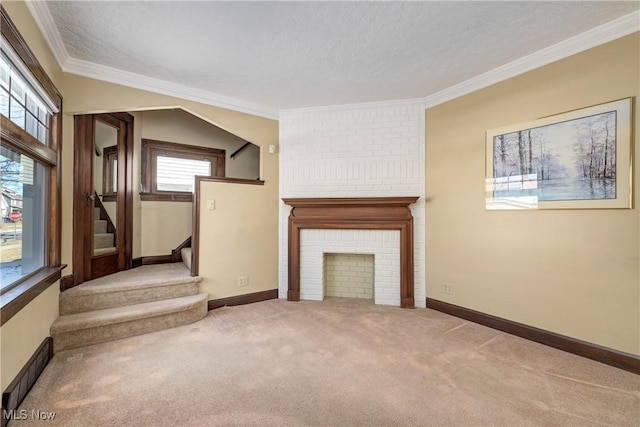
102, 251
147, 276
91, 319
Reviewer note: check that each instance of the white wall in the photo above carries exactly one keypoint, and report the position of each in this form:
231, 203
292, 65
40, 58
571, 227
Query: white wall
374, 150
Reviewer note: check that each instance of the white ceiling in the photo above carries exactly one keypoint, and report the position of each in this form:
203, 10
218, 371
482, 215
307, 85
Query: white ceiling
269, 56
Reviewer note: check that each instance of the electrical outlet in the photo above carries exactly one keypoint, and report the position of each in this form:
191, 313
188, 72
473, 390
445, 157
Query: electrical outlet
448, 288
243, 280
211, 204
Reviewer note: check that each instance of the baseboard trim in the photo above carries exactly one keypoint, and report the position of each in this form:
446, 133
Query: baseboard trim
243, 299
136, 262
66, 282
26, 378
618, 359
158, 259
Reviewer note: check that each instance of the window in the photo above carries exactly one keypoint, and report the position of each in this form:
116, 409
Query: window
30, 124
168, 169
24, 187
19, 102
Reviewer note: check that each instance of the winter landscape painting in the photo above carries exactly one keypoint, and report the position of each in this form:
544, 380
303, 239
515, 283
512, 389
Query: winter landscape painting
579, 159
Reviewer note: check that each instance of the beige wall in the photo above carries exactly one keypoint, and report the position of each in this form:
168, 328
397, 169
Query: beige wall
573, 272
238, 238
25, 331
152, 234
22, 334
181, 127
164, 225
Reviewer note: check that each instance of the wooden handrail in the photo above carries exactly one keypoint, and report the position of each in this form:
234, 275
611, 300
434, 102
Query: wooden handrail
235, 153
176, 256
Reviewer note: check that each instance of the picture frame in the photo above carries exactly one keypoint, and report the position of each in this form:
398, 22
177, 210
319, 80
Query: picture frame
581, 159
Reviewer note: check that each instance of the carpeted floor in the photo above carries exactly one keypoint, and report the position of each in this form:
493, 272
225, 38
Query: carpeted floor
337, 362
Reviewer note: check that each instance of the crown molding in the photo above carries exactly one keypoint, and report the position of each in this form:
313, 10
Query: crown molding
138, 81
596, 36
45, 23
355, 106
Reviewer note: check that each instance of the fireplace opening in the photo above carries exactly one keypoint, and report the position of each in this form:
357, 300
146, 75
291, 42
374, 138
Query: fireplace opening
349, 275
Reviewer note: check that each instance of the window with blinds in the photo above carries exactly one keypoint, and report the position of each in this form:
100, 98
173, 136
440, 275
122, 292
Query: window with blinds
169, 169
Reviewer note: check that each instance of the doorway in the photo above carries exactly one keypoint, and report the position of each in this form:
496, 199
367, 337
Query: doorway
103, 195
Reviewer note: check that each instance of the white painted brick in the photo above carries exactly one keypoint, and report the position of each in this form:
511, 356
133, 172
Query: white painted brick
358, 152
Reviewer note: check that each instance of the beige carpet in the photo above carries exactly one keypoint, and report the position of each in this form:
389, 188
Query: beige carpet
337, 362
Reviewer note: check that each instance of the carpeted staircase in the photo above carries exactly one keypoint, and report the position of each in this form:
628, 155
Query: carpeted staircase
128, 303
103, 241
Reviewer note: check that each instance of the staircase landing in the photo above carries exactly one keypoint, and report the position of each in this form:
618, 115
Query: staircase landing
128, 303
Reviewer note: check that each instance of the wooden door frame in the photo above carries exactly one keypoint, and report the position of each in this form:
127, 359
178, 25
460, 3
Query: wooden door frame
84, 130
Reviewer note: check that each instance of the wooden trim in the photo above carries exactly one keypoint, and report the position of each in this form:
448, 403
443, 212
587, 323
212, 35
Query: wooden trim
156, 259
370, 213
55, 192
83, 260
195, 228
17, 297
176, 147
128, 182
152, 148
358, 202
227, 180
66, 282
21, 141
166, 196
19, 45
618, 359
243, 299
26, 378
83, 131
176, 254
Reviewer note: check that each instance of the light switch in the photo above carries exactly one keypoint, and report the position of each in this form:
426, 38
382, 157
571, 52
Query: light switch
211, 204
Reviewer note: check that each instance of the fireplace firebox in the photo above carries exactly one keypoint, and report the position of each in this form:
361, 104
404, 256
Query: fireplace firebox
369, 213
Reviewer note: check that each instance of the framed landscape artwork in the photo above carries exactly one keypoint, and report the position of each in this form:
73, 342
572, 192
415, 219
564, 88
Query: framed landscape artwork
575, 160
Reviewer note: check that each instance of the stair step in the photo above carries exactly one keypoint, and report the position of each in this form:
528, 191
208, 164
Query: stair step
100, 226
103, 240
96, 213
143, 284
186, 257
102, 251
93, 327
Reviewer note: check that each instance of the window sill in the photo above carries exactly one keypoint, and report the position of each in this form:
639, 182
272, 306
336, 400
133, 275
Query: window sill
18, 297
166, 197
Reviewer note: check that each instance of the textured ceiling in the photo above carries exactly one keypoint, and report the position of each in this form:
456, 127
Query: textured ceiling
297, 54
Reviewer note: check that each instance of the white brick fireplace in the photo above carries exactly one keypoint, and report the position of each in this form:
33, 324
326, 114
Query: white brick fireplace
370, 150
382, 244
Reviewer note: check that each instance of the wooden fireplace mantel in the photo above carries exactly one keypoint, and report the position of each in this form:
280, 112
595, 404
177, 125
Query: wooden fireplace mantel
369, 213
